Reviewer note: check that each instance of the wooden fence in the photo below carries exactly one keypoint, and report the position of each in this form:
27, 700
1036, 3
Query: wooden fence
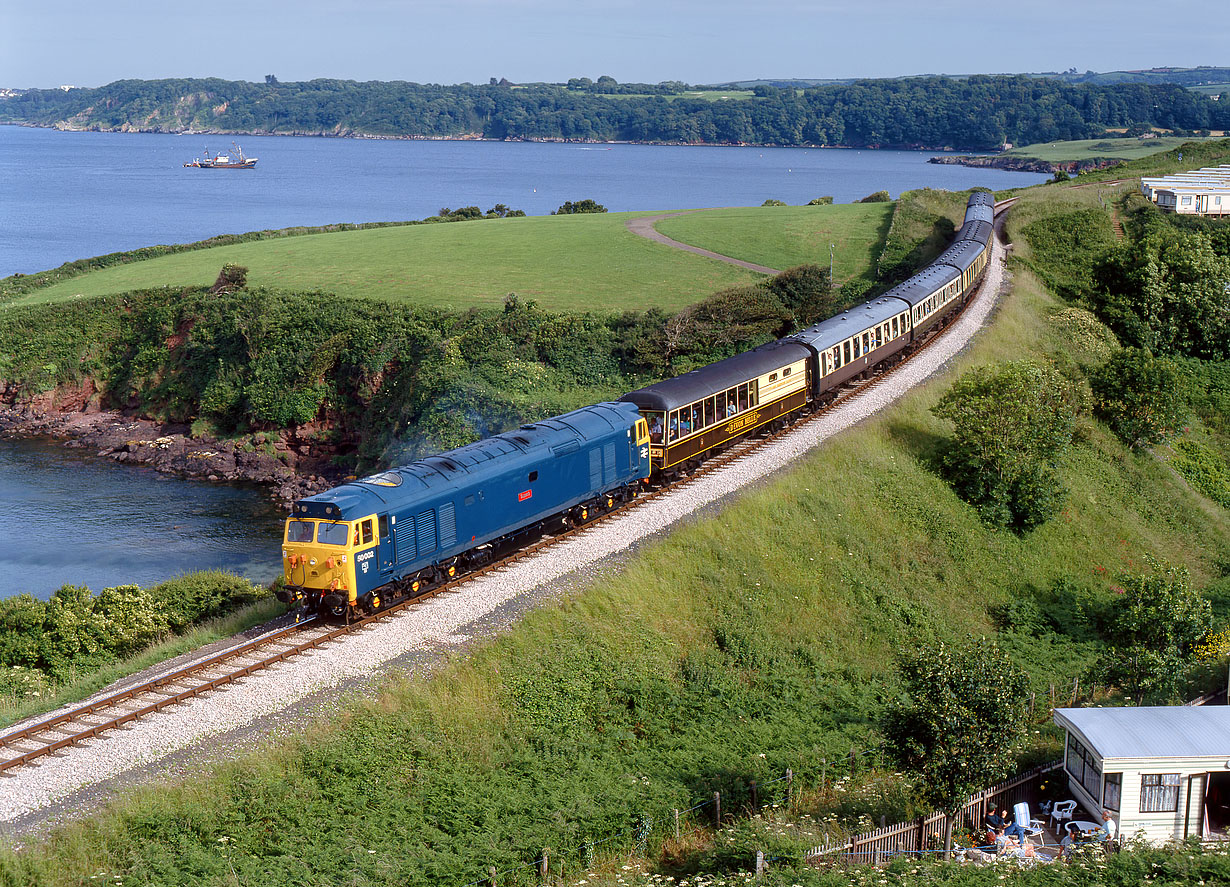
927, 832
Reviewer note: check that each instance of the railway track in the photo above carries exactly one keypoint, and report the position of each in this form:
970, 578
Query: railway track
57, 734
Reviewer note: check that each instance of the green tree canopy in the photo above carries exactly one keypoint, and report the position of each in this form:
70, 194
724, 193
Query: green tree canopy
1153, 627
1140, 396
1012, 423
960, 715
1168, 292
581, 206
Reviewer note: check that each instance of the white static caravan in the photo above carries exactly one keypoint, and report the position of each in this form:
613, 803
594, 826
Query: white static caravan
1203, 192
1163, 771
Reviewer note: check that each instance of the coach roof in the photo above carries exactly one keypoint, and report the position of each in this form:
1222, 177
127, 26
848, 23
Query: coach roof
837, 329
671, 394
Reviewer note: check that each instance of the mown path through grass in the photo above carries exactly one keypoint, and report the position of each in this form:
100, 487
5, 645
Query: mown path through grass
644, 227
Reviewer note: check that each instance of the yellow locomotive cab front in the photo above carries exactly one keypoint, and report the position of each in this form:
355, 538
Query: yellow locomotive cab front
318, 559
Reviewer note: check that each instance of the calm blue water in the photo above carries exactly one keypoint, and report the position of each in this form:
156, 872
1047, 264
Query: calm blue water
69, 518
74, 195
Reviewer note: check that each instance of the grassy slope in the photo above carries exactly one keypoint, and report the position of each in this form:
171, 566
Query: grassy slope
784, 236
582, 262
1087, 149
769, 629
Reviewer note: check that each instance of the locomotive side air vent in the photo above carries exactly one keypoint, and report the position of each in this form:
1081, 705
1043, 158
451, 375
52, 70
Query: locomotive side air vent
524, 441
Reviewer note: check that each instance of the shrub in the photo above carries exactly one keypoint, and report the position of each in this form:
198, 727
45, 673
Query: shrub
1011, 424
230, 278
581, 206
772, 202
820, 201
1140, 396
877, 197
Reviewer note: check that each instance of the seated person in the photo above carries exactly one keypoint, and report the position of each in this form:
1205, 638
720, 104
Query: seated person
993, 821
1072, 837
1014, 829
655, 431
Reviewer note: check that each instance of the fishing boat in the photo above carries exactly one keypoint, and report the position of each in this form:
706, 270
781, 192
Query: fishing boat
235, 160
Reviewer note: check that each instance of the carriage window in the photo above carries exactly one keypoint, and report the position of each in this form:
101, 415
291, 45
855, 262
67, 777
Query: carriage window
866, 336
367, 531
333, 534
894, 327
720, 402
753, 395
710, 414
836, 356
299, 530
879, 336
846, 347
732, 401
674, 426
685, 421
655, 427
742, 398
698, 415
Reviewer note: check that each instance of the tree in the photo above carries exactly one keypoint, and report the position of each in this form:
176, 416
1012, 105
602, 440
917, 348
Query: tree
581, 206
1153, 627
1011, 422
271, 80
230, 278
1168, 292
1140, 396
961, 713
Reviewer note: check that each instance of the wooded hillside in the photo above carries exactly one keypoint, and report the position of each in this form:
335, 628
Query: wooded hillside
979, 112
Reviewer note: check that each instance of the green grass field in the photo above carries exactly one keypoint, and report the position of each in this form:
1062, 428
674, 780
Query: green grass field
709, 95
784, 236
580, 262
1087, 149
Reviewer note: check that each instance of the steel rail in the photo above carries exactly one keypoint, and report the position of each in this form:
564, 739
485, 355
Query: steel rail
733, 453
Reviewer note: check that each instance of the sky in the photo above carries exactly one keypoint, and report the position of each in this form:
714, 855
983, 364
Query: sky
47, 43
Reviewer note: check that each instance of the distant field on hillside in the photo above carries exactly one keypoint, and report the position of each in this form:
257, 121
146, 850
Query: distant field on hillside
784, 236
583, 262
1086, 149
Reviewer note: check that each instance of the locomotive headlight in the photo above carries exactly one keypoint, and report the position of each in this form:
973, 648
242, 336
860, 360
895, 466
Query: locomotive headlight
343, 558
285, 553
312, 562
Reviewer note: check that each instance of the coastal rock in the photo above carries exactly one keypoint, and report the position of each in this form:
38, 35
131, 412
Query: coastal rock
74, 417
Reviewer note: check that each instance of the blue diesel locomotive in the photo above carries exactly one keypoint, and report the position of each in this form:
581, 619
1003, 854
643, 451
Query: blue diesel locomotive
364, 543
390, 534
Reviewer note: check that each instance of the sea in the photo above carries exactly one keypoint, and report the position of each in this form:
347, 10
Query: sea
69, 518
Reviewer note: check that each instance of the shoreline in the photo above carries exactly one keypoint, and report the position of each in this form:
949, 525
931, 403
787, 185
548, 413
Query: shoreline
288, 468
1024, 164
125, 128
